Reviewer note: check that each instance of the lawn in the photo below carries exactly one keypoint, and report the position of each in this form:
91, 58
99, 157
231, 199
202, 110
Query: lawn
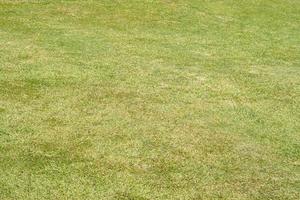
153, 99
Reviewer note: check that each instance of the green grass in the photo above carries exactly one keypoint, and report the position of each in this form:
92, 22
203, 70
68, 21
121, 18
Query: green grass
154, 99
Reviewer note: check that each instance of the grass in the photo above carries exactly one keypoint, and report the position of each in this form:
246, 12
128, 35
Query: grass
156, 99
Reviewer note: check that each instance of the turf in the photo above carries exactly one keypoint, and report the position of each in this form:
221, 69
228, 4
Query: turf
154, 99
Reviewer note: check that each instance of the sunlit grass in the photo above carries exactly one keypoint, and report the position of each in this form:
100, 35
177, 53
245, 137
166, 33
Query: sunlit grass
159, 99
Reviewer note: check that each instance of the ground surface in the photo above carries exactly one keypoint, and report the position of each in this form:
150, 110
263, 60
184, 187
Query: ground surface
161, 99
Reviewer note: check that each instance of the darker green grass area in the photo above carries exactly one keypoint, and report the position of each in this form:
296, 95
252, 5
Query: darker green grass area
159, 99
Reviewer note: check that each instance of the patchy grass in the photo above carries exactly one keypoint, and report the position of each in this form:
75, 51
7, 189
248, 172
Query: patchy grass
159, 99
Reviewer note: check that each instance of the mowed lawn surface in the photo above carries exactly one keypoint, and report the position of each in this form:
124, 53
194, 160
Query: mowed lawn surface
154, 99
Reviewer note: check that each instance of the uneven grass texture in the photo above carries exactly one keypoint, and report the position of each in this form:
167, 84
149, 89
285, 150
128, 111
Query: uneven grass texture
153, 99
